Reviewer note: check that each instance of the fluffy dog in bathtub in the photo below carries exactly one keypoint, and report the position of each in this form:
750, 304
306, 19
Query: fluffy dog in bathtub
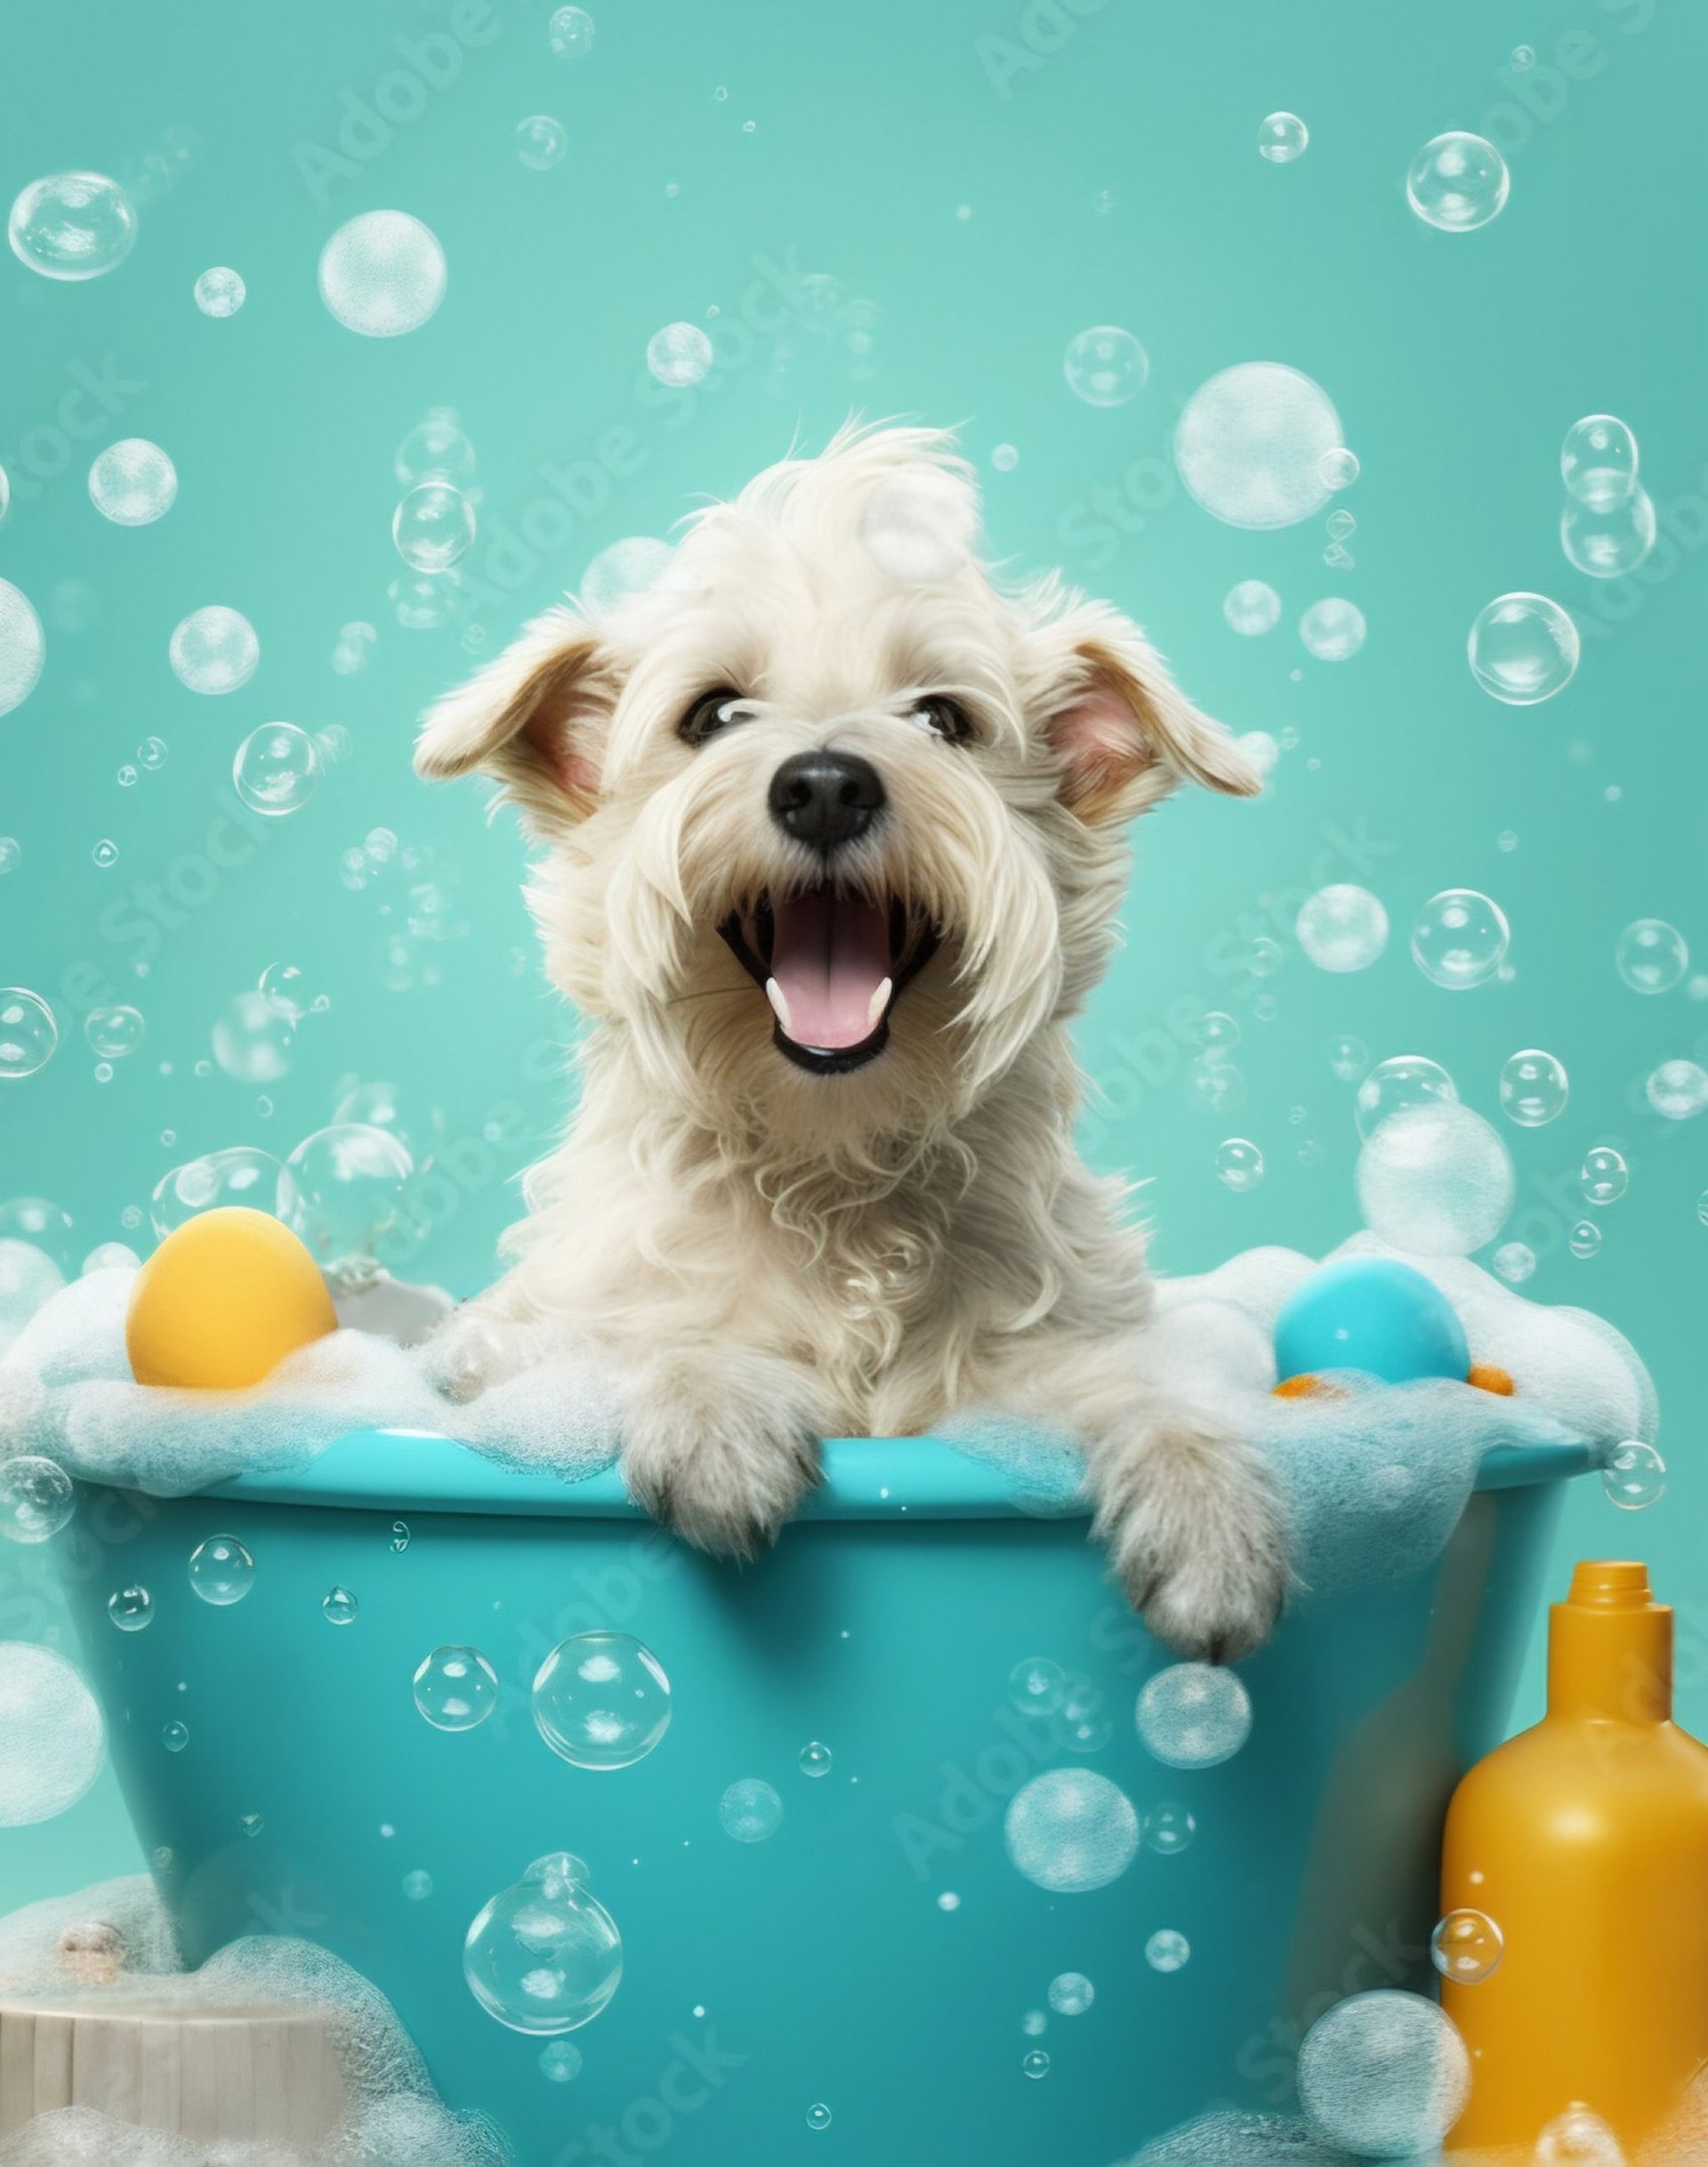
834, 841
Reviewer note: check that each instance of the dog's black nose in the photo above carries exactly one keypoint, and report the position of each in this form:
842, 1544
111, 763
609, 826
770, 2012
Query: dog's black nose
827, 799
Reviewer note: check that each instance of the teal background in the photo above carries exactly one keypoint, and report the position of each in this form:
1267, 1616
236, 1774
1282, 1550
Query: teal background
928, 205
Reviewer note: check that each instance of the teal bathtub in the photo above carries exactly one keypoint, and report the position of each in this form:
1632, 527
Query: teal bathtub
879, 1956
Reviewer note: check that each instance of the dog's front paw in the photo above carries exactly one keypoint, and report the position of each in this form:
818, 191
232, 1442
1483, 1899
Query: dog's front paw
1198, 1536
722, 1451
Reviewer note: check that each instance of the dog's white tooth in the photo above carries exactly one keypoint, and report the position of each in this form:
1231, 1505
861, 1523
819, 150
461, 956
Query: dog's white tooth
780, 1001
880, 1001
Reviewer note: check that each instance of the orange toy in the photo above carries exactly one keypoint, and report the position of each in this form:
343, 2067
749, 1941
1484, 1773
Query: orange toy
1586, 1840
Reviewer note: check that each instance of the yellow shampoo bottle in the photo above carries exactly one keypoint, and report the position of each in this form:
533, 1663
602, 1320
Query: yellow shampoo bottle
1586, 1841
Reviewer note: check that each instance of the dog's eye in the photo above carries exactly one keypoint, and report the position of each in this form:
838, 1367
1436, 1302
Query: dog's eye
710, 713
943, 718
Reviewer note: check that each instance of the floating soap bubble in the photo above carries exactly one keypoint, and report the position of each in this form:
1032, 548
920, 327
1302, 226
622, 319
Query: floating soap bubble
114, 1030
570, 33
220, 292
1194, 1715
28, 1033
1262, 749
1036, 1686
285, 988
252, 1040
455, 1689
1435, 1180
1004, 458
27, 1279
1250, 443
434, 450
1533, 1088
23, 648
816, 1757
601, 1700
1071, 1994
1634, 1477
819, 2116
1460, 939
348, 1189
561, 2061
1523, 648
222, 1571
105, 854
277, 769
1106, 366
152, 753
1070, 1831
10, 854
1405, 1080
1652, 955
1597, 462
1282, 137
1584, 1240
418, 1885
1342, 928
132, 483
544, 1956
1349, 1057
750, 1810
350, 654
433, 526
1678, 1090
36, 1497
76, 225
1252, 608
1213, 1083
215, 650
1605, 1177
1383, 2075
52, 1739
339, 1606
1333, 629
1514, 1261
540, 142
629, 567
1167, 1951
680, 354
1168, 1829
1578, 2138
239, 1174
174, 1736
1339, 469
1034, 2063
1608, 541
1216, 1032
1458, 182
1239, 1165
1466, 1947
382, 274
131, 1608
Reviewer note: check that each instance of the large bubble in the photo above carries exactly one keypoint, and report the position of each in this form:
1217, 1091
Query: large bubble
601, 1700
1342, 927
1652, 955
1334, 629
73, 225
1283, 137
1435, 1181
276, 770
1461, 939
220, 290
1535, 1087
433, 526
348, 1190
51, 1738
680, 354
1071, 1831
1606, 543
1384, 2075
1252, 608
544, 1956
214, 649
382, 274
23, 646
750, 1810
1597, 462
1194, 1715
132, 483
239, 1174
1251, 443
36, 1497
1678, 1091
1523, 648
1458, 182
455, 1689
28, 1034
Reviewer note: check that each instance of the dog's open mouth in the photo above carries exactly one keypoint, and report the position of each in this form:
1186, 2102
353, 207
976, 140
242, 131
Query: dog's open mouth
833, 964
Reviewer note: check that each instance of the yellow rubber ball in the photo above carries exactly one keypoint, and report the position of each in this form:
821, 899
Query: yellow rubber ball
222, 1301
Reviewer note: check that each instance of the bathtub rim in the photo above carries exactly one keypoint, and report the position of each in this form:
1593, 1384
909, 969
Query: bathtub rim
866, 1479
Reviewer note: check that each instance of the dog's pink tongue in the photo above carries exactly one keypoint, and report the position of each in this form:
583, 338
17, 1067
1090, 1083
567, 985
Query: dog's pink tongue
830, 959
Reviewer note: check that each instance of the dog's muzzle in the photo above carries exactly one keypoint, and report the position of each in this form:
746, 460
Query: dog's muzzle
833, 964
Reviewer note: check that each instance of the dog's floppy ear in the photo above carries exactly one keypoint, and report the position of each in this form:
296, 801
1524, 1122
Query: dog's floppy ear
534, 718
1124, 733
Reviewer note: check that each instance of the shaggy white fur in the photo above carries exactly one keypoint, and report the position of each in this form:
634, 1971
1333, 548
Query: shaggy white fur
836, 847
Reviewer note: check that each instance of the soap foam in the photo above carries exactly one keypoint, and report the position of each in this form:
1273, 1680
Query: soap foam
394, 2119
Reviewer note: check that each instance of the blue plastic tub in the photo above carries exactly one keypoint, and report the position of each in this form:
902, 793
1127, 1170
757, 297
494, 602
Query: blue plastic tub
876, 1956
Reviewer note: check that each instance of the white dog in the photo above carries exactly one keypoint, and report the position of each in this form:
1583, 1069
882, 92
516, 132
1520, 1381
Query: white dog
835, 850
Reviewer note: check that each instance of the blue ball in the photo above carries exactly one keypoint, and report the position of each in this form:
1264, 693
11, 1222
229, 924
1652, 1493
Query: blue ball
1371, 1314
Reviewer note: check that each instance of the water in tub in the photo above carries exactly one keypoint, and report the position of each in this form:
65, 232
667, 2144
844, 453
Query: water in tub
1375, 1477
